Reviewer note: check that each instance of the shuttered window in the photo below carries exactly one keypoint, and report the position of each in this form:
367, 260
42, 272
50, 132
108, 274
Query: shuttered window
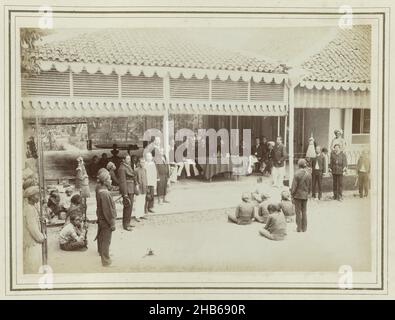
262, 91
95, 85
229, 90
141, 86
47, 83
192, 88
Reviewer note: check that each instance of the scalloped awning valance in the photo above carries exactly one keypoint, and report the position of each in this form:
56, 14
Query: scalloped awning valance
335, 85
45, 107
149, 71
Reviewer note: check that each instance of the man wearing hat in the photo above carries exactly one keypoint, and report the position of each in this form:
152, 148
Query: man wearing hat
301, 187
106, 215
268, 159
127, 188
338, 166
115, 159
32, 235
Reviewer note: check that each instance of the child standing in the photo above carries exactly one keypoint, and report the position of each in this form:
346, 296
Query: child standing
141, 184
152, 180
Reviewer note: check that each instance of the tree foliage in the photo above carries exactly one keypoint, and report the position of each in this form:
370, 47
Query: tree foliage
30, 38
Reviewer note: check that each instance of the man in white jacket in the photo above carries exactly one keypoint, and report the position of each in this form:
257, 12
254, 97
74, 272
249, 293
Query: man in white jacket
32, 235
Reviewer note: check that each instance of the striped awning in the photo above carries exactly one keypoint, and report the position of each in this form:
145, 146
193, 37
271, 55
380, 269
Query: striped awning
332, 98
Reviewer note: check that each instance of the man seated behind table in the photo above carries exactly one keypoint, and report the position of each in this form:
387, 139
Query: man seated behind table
72, 236
244, 212
276, 226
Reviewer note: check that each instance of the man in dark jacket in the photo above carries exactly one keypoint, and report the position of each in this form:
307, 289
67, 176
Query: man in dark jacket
301, 187
257, 151
317, 170
338, 166
127, 188
106, 215
363, 169
279, 156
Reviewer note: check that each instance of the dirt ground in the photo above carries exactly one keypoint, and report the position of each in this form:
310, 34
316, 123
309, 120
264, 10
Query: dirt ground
338, 233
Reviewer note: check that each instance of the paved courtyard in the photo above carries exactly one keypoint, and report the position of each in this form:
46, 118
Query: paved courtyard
202, 240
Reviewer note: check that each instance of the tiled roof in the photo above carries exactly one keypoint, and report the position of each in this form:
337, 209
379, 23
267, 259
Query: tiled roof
151, 47
346, 58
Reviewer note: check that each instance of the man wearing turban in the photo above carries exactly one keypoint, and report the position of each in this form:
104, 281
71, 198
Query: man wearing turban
106, 215
32, 235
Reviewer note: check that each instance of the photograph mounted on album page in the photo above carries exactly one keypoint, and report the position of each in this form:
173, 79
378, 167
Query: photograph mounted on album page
218, 150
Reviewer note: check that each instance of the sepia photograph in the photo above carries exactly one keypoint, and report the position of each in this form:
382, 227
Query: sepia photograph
199, 150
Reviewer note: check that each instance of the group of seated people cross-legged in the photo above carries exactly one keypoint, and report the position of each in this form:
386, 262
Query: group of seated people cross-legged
72, 236
257, 206
62, 206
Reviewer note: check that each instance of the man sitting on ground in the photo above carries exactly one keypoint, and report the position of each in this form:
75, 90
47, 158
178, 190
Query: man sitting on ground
287, 206
261, 212
244, 212
276, 226
72, 236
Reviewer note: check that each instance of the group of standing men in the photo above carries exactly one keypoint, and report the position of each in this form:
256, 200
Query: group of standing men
137, 183
137, 188
305, 182
271, 158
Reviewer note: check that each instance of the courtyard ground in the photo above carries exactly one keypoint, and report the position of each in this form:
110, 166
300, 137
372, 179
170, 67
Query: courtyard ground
202, 240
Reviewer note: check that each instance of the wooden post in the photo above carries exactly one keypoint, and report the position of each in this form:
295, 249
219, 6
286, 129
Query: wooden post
285, 130
291, 105
41, 183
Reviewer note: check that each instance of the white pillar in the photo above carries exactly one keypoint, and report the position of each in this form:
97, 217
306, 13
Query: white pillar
166, 97
348, 126
291, 132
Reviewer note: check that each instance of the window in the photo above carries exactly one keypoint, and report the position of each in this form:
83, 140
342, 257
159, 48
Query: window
361, 121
